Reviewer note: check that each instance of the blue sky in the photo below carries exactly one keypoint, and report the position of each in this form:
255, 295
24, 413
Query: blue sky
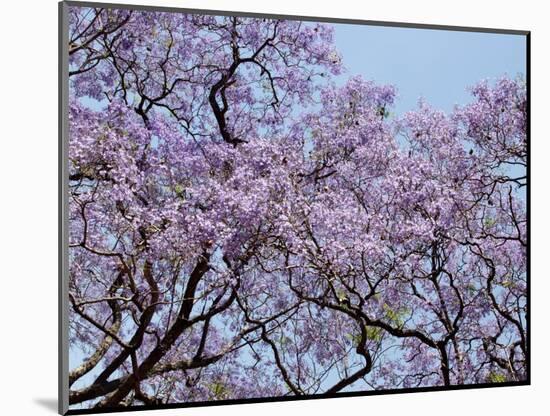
438, 65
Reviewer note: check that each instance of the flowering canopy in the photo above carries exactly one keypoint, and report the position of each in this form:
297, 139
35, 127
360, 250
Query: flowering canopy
225, 245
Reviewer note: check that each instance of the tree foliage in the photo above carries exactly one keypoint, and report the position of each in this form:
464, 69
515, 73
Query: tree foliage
225, 245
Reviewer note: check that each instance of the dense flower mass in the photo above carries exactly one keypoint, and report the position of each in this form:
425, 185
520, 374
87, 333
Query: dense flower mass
241, 227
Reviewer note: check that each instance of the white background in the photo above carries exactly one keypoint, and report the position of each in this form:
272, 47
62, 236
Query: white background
28, 205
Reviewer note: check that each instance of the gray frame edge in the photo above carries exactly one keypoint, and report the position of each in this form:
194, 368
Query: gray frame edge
63, 219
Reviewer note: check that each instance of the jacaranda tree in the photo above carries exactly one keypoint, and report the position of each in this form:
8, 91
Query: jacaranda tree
241, 227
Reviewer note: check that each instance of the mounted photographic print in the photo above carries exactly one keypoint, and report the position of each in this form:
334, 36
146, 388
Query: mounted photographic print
265, 208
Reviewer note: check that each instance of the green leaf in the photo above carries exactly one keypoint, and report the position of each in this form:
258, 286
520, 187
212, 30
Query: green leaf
341, 295
489, 222
396, 316
496, 378
219, 390
179, 189
284, 340
354, 338
507, 283
374, 333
